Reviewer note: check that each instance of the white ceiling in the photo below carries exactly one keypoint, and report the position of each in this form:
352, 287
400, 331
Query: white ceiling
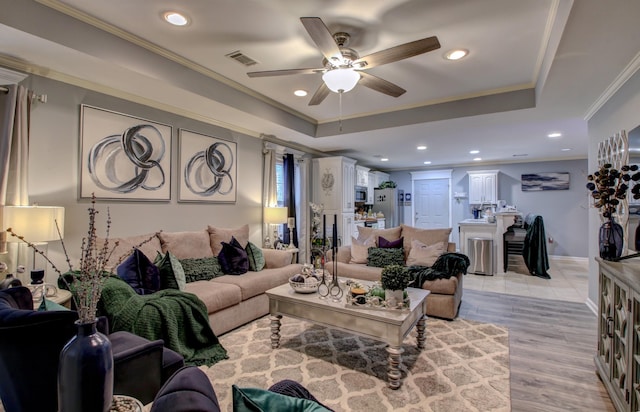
535, 66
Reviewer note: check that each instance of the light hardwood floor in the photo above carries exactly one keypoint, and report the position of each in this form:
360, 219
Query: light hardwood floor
552, 336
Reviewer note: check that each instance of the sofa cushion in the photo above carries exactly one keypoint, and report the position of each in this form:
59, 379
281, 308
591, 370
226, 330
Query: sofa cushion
261, 400
426, 236
380, 257
360, 249
186, 245
126, 245
255, 283
233, 258
356, 271
201, 269
255, 256
389, 244
424, 255
393, 233
140, 273
218, 235
442, 286
171, 271
274, 258
215, 296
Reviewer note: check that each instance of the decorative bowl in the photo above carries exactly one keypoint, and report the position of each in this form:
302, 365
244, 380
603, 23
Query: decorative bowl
310, 285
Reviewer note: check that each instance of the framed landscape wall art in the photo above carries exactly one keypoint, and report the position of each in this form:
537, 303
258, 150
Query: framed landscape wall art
207, 167
123, 157
534, 182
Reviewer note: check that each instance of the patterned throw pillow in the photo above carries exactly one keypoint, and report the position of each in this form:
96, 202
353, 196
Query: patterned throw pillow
381, 257
389, 244
171, 271
201, 268
255, 256
140, 273
233, 258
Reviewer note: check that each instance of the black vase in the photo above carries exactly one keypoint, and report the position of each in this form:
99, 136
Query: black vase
85, 374
611, 240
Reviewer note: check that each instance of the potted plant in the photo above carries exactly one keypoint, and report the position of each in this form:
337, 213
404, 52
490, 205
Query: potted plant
394, 280
609, 187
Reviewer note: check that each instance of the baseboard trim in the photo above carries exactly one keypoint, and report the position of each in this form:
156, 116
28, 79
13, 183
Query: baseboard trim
569, 259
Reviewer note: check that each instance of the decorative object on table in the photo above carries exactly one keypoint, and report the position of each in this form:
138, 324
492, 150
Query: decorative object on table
124, 157
291, 224
394, 280
208, 168
334, 288
323, 288
39, 224
85, 373
10, 281
304, 283
274, 216
609, 187
124, 403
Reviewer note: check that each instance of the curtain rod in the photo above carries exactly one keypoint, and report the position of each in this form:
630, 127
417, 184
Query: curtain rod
42, 98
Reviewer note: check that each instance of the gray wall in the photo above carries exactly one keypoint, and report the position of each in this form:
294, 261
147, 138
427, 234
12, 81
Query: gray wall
621, 112
564, 211
54, 171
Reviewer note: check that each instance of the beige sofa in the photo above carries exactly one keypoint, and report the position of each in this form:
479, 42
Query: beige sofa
231, 300
446, 294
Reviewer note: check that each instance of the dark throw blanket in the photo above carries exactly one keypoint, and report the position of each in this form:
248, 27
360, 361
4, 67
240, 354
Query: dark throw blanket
447, 265
179, 318
535, 247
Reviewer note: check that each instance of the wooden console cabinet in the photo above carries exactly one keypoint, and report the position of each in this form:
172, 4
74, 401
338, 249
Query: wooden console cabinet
618, 354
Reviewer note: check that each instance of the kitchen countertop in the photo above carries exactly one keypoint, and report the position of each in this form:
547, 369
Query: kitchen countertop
476, 222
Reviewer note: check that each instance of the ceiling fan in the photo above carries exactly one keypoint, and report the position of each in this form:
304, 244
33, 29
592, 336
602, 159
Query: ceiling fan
343, 68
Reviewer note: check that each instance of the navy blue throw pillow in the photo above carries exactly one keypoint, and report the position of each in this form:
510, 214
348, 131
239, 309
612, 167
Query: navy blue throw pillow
233, 258
140, 273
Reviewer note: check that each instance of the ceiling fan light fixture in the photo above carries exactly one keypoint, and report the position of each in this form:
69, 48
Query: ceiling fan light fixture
341, 80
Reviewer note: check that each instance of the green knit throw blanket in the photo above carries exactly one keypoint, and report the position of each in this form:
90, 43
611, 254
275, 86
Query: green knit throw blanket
179, 318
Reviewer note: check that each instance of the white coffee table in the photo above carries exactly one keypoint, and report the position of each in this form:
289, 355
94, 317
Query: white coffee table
389, 326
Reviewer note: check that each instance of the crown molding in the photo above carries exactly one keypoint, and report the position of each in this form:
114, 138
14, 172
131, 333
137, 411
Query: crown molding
11, 77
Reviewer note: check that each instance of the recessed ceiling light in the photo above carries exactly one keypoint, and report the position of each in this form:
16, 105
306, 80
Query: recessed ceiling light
427, 162
566, 149
554, 134
456, 54
422, 147
474, 151
476, 159
384, 159
300, 93
176, 18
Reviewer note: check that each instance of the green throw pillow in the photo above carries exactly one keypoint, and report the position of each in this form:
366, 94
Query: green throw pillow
381, 257
47, 305
201, 268
256, 257
260, 400
171, 271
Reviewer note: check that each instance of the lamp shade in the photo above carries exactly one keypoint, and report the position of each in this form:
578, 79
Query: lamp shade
275, 215
341, 80
34, 223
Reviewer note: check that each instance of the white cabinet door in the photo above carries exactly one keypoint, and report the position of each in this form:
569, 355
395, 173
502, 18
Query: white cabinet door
491, 188
483, 187
372, 184
362, 176
349, 187
347, 229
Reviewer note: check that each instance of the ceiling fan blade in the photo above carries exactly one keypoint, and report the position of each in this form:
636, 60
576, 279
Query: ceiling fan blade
396, 53
269, 73
319, 95
322, 37
380, 85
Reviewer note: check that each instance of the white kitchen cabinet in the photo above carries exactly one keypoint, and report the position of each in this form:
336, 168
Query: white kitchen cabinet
372, 184
348, 229
483, 187
362, 176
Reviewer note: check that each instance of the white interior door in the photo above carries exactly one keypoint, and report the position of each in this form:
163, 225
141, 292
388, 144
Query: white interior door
431, 203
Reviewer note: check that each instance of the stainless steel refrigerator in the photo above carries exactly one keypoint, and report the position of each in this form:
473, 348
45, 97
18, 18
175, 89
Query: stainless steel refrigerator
391, 203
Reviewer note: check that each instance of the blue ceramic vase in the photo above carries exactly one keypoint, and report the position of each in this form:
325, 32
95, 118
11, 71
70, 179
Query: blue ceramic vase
85, 374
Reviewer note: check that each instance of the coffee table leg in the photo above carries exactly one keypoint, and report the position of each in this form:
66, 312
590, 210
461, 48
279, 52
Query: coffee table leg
421, 327
275, 331
393, 375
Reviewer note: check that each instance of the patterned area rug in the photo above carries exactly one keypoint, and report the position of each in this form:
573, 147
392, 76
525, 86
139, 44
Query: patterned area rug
464, 367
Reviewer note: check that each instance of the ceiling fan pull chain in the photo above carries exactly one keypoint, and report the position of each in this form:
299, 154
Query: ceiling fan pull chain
340, 118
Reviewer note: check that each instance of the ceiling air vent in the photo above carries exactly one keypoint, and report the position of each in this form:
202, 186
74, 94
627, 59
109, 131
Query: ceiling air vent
241, 58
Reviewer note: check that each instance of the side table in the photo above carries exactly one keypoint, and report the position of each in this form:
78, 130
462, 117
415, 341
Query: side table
62, 297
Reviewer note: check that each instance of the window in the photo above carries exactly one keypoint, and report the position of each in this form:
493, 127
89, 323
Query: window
280, 182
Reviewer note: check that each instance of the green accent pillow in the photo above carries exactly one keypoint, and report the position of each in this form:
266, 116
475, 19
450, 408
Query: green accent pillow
171, 271
260, 400
201, 268
256, 257
381, 257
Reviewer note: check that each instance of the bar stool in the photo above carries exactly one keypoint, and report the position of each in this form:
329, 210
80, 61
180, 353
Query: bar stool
513, 243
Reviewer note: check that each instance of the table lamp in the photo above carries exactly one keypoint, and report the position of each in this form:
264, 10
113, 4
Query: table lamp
291, 223
274, 216
36, 224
